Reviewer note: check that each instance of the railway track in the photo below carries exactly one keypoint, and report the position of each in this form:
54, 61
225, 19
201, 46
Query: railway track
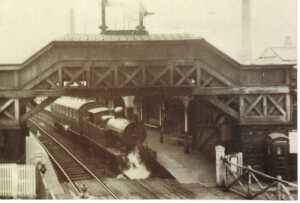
69, 164
76, 170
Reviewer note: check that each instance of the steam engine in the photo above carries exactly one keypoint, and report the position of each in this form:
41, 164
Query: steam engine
103, 125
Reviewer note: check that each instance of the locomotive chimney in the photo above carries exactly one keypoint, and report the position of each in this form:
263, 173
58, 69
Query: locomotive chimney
246, 52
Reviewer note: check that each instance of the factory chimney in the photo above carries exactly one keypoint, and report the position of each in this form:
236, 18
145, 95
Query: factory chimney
246, 52
72, 21
103, 26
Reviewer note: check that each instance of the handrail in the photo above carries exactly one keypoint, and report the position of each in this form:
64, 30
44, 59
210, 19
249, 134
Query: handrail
260, 173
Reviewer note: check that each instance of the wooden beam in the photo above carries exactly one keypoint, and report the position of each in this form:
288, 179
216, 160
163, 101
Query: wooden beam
37, 108
154, 90
288, 107
87, 67
253, 105
6, 105
264, 121
228, 110
17, 109
239, 90
129, 78
278, 107
75, 76
162, 73
215, 74
265, 105
102, 77
6, 124
272, 108
39, 78
185, 76
51, 83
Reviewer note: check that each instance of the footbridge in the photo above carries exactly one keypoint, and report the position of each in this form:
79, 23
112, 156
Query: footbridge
146, 65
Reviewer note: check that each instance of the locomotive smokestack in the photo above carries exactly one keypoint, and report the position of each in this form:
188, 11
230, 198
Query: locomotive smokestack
246, 53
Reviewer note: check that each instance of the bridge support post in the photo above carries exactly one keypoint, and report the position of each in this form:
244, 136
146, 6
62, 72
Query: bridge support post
186, 132
162, 118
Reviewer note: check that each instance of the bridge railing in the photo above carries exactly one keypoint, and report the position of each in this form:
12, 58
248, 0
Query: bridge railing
232, 175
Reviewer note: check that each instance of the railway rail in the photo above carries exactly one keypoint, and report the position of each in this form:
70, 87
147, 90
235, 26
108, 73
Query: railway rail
77, 175
146, 189
71, 166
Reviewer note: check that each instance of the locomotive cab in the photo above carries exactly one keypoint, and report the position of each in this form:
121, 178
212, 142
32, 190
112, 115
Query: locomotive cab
95, 115
277, 152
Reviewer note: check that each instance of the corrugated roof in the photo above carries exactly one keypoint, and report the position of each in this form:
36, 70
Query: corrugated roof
119, 38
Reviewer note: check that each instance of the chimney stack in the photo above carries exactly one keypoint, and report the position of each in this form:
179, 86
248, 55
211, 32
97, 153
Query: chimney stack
246, 53
103, 25
72, 21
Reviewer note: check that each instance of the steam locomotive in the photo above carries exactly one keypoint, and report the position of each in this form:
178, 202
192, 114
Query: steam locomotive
107, 127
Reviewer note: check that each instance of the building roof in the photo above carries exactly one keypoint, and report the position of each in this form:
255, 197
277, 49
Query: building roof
278, 55
120, 38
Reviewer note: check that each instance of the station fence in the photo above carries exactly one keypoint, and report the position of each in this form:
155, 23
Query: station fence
17, 181
232, 175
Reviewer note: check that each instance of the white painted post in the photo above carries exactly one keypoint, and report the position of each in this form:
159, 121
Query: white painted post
14, 180
220, 167
240, 162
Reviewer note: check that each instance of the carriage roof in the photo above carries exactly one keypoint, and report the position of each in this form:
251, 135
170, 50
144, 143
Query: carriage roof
72, 102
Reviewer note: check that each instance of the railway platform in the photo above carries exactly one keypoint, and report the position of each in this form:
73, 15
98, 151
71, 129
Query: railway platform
34, 153
186, 168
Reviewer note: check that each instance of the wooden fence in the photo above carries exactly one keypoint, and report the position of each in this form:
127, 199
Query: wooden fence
233, 176
17, 181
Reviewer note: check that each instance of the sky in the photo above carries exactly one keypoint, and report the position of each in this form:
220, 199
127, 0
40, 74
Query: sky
28, 25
